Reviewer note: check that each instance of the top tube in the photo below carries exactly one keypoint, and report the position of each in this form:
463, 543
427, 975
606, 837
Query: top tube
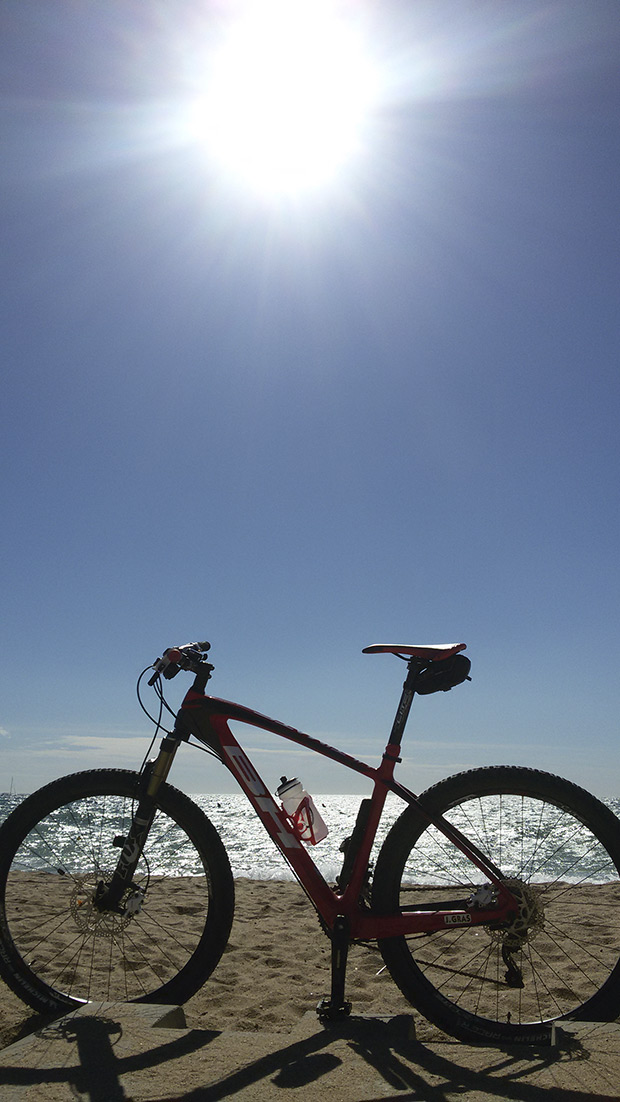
197, 711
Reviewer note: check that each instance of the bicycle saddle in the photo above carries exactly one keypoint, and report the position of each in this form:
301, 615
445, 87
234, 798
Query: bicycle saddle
433, 652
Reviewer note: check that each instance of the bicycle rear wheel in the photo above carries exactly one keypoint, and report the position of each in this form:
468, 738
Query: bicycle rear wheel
57, 950
559, 849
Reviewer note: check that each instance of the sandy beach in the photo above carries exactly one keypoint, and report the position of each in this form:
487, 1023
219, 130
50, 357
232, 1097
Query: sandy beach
274, 971
276, 967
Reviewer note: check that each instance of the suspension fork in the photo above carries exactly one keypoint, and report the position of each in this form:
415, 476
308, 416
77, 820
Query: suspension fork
108, 896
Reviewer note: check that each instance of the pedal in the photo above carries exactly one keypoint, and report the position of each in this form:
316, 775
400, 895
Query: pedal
327, 1011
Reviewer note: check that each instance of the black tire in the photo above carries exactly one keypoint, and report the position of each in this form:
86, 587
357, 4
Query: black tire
562, 846
56, 950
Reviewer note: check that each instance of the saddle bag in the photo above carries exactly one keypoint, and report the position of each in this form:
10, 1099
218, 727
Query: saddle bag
444, 675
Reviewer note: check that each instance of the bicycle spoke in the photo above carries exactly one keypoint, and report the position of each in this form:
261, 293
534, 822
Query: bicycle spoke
552, 954
57, 927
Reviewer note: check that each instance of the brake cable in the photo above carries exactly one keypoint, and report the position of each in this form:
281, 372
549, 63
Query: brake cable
159, 728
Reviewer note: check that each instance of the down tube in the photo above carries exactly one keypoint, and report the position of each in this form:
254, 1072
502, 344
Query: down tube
275, 821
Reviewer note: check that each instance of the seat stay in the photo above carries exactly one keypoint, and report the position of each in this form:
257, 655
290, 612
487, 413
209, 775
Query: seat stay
452, 833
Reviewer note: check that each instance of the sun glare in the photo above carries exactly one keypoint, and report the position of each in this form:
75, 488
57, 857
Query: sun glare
288, 95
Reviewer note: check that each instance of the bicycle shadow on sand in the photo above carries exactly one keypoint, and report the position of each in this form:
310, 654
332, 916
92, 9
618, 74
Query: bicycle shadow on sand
410, 1068
402, 1068
97, 1072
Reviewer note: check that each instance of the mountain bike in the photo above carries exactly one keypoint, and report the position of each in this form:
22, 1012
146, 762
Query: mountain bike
493, 899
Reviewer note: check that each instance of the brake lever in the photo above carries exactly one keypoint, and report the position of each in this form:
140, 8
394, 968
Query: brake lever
159, 666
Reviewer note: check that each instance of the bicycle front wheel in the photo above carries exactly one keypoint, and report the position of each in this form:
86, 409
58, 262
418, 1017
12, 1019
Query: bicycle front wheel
559, 850
57, 950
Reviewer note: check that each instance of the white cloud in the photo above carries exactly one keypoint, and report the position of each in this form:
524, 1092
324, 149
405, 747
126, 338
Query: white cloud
109, 743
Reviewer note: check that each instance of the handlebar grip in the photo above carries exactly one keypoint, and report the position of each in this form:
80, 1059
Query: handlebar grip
191, 647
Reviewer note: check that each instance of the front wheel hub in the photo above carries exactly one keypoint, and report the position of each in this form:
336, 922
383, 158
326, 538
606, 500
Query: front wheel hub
89, 917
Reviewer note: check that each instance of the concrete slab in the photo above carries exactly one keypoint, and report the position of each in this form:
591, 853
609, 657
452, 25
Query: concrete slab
113, 1052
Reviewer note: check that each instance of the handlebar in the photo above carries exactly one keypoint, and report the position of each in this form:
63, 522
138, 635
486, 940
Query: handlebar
189, 656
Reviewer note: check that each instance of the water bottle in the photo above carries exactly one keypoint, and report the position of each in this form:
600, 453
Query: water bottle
300, 808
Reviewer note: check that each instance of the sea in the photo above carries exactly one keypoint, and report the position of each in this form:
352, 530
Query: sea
250, 850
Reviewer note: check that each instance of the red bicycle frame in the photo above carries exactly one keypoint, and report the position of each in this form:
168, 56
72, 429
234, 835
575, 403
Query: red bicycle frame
207, 719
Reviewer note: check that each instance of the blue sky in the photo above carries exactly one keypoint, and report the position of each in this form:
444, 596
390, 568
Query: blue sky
383, 411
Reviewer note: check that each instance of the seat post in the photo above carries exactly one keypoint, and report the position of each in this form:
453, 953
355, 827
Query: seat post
402, 713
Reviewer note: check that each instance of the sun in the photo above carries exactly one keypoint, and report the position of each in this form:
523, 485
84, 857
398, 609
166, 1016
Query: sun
288, 96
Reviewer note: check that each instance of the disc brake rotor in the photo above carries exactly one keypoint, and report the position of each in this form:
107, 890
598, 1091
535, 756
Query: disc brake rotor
88, 918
